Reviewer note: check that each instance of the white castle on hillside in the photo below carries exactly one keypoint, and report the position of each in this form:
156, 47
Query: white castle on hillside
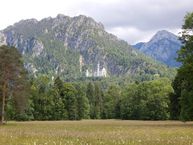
98, 73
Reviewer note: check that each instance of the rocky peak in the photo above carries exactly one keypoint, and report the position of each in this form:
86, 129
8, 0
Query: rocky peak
2, 39
163, 47
26, 22
61, 18
164, 35
88, 21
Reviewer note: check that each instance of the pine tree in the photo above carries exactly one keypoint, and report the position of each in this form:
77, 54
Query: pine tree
60, 111
12, 80
91, 98
83, 103
42, 98
97, 102
59, 85
71, 101
111, 103
175, 99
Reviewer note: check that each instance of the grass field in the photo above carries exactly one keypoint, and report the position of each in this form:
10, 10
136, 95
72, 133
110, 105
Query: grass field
96, 132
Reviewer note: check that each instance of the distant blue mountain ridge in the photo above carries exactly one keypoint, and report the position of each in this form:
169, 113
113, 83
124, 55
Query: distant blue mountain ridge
163, 47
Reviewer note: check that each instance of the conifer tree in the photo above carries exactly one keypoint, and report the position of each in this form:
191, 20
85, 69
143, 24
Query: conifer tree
91, 97
97, 102
12, 80
71, 101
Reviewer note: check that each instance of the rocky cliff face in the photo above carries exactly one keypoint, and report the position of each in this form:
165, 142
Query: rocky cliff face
2, 39
55, 46
163, 47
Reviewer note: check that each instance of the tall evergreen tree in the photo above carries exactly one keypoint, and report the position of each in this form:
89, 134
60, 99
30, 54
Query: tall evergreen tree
59, 85
71, 101
98, 100
42, 98
175, 99
91, 98
12, 79
83, 103
59, 111
111, 103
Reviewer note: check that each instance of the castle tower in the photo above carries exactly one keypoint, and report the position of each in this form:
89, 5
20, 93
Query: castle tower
87, 73
81, 62
98, 69
103, 72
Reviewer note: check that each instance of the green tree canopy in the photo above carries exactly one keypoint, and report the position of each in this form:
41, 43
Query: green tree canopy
183, 83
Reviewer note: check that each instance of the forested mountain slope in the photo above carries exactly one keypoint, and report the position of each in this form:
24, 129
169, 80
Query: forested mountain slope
74, 47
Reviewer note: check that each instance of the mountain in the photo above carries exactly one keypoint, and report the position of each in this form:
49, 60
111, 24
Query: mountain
163, 47
75, 47
138, 45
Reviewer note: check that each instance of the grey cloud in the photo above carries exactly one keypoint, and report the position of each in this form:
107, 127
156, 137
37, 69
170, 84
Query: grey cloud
144, 15
131, 20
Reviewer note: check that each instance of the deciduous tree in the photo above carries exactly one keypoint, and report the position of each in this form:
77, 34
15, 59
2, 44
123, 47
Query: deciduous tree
184, 88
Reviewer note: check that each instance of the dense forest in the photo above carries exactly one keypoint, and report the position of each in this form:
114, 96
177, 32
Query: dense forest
45, 98
26, 97
58, 100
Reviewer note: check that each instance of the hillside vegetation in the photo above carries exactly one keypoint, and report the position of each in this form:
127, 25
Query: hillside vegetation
68, 47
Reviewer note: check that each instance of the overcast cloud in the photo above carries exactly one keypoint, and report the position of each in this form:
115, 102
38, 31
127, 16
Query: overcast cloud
131, 20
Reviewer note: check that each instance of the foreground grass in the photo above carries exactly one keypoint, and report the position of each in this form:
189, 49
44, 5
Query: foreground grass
96, 132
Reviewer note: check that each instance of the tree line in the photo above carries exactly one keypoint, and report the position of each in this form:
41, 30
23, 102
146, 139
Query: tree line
28, 98
58, 100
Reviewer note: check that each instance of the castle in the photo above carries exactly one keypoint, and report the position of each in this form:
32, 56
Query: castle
90, 73
98, 73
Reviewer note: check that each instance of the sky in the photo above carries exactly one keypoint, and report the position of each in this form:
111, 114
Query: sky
130, 20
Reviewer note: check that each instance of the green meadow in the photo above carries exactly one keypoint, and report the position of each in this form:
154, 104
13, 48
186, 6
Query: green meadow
96, 132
